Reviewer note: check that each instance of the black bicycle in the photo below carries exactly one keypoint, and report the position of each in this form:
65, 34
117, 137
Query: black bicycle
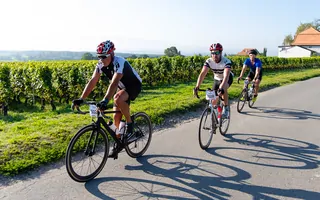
246, 94
89, 147
211, 119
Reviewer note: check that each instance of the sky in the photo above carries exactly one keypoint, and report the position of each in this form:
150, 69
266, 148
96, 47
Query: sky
150, 26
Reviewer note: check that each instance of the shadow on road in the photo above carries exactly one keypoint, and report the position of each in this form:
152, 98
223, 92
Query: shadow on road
274, 151
281, 113
187, 178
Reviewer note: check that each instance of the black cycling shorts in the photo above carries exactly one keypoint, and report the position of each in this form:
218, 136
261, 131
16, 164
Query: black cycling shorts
217, 83
252, 74
133, 92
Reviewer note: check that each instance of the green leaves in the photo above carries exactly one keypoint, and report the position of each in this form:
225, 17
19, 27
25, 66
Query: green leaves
58, 80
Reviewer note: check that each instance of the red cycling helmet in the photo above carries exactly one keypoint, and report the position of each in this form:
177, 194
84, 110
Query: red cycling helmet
105, 48
216, 47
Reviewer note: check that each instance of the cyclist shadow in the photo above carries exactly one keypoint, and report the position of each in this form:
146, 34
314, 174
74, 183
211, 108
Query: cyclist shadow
174, 174
281, 113
273, 151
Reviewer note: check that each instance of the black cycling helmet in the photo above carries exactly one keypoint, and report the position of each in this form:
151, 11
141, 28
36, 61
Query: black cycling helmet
253, 51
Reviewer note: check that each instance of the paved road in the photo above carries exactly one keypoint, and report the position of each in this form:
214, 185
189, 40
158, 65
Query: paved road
270, 152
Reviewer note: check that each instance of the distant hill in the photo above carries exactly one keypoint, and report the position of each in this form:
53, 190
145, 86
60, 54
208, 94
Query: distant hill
54, 55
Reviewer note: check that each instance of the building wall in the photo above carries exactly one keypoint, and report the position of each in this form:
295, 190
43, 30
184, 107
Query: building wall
293, 52
313, 48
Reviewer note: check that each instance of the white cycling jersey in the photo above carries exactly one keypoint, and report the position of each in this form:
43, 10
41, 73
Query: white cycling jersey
122, 66
218, 68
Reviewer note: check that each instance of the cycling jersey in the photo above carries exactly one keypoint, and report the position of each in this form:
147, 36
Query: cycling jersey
120, 65
257, 64
218, 68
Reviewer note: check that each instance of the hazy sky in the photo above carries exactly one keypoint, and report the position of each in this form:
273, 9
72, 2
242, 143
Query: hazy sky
151, 25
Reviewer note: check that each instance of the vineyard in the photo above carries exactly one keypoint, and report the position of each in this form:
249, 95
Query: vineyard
61, 81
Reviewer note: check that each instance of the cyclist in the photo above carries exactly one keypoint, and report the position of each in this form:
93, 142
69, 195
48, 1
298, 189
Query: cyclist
124, 81
223, 77
255, 73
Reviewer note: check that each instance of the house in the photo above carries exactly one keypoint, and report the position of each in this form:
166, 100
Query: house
304, 44
245, 52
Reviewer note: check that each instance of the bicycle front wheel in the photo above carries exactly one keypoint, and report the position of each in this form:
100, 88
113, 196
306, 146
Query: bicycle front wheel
223, 128
250, 103
138, 143
241, 100
207, 128
87, 153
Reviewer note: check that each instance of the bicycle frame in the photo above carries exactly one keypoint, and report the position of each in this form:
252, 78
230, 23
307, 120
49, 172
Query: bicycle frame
213, 107
246, 86
100, 115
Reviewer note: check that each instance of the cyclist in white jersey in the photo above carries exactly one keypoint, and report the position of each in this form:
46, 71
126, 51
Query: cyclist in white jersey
223, 77
124, 81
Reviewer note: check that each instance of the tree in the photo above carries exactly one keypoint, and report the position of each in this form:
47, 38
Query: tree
264, 52
87, 56
303, 27
172, 51
287, 40
134, 56
144, 56
316, 24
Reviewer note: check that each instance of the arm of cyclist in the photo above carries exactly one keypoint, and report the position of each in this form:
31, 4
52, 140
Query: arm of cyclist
88, 89
244, 67
111, 91
201, 77
226, 74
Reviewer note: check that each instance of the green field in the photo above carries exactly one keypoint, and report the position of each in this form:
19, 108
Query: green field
30, 136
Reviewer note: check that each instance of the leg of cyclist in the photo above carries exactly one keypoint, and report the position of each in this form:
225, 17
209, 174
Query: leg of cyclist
256, 86
120, 103
123, 102
215, 87
225, 111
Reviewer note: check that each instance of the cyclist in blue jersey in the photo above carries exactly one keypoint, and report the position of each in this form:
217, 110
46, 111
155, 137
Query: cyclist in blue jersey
255, 73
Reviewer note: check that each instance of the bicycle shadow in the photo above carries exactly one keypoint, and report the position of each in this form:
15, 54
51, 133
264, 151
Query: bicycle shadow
205, 178
281, 113
283, 152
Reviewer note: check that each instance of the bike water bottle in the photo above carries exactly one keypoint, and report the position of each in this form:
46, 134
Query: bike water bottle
219, 113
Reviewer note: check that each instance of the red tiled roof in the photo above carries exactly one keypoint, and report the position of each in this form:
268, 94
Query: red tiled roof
244, 52
308, 37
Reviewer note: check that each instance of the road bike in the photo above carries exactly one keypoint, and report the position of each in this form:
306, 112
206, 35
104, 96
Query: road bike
89, 147
212, 118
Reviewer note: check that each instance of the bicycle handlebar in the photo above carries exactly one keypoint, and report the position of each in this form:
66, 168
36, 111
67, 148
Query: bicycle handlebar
91, 103
245, 79
206, 90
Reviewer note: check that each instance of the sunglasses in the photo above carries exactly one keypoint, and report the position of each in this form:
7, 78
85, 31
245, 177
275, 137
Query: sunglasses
215, 52
103, 57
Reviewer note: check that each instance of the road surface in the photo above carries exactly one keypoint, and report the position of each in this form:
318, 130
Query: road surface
269, 152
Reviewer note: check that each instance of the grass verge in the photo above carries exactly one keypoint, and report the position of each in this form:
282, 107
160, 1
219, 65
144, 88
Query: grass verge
30, 137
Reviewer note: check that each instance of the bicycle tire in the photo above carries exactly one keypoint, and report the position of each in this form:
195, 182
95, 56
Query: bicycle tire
244, 95
223, 132
70, 169
136, 128
205, 146
250, 102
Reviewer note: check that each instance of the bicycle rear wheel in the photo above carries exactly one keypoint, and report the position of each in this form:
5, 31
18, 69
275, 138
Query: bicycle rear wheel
224, 124
207, 128
241, 100
88, 148
138, 143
